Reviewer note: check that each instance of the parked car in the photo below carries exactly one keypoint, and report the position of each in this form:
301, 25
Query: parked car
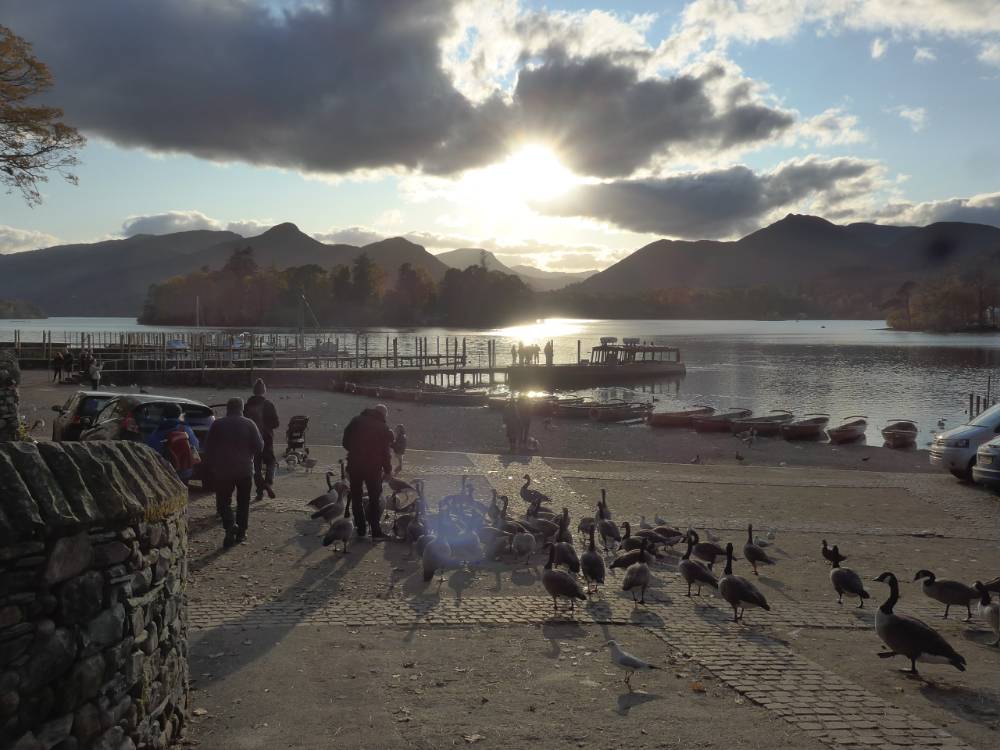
986, 470
955, 449
137, 416
78, 413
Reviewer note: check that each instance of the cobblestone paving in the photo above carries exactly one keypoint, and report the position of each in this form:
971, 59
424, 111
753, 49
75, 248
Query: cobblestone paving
746, 658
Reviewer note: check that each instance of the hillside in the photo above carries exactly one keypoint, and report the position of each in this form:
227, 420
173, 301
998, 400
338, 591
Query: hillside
111, 278
536, 279
794, 251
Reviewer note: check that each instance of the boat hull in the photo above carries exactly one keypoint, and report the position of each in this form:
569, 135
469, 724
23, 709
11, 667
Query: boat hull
763, 427
805, 430
846, 433
677, 418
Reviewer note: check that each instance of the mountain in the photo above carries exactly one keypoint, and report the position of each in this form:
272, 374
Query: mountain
796, 250
111, 278
535, 278
464, 257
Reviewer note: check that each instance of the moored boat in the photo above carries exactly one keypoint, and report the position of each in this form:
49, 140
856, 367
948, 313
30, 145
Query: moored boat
680, 418
810, 427
620, 412
719, 422
900, 433
850, 429
763, 426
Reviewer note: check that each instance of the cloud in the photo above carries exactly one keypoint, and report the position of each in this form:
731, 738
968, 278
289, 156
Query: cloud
924, 55
978, 209
879, 46
13, 240
350, 236
333, 87
833, 127
990, 53
721, 203
168, 222
916, 116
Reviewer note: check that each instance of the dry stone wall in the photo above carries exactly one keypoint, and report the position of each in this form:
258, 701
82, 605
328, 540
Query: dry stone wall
93, 562
10, 378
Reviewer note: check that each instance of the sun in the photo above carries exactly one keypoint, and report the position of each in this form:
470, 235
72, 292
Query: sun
531, 173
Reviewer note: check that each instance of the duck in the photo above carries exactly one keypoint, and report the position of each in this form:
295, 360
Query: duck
738, 591
592, 565
947, 592
559, 583
706, 551
341, 530
637, 577
627, 559
693, 572
832, 554
908, 636
754, 554
435, 557
846, 581
531, 495
989, 611
566, 555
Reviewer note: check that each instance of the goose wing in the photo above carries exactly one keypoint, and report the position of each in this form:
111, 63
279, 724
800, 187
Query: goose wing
747, 592
848, 580
921, 637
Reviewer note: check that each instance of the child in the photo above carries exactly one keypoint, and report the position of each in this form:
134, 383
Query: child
399, 446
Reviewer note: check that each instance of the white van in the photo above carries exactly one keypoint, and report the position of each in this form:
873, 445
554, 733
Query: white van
955, 450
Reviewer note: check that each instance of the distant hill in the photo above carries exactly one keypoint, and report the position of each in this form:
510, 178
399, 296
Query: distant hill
535, 278
18, 310
111, 278
794, 251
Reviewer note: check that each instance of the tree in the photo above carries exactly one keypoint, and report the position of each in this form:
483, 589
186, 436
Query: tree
33, 139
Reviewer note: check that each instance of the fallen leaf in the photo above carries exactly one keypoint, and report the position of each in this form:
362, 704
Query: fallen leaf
697, 687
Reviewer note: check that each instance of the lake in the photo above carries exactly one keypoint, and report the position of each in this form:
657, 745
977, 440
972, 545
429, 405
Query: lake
839, 367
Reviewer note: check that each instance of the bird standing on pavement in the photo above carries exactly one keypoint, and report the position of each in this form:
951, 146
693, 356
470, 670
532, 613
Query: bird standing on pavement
738, 591
627, 662
754, 554
846, 581
947, 592
989, 611
832, 554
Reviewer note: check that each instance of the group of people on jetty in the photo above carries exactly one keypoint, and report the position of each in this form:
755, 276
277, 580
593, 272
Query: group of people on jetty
523, 355
238, 457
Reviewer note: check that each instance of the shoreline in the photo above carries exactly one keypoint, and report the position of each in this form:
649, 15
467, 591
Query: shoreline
479, 429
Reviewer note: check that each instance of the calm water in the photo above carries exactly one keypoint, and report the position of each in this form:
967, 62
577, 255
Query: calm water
839, 367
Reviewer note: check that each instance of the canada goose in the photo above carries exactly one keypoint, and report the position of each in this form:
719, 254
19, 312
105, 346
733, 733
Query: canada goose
564, 534
832, 554
330, 511
398, 485
566, 555
989, 611
523, 545
947, 592
531, 495
846, 581
341, 530
669, 534
592, 565
435, 557
908, 636
628, 559
627, 662
421, 544
754, 554
609, 530
652, 536
586, 525
416, 528
330, 496
738, 591
540, 526
637, 577
602, 506
706, 551
694, 572
993, 585
559, 583
629, 542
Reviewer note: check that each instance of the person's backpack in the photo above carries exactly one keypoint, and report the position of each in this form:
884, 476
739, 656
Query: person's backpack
179, 451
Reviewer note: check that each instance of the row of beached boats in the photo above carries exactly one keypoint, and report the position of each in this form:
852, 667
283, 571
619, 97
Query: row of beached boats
898, 433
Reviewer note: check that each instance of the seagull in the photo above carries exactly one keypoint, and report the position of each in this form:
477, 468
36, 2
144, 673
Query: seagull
695, 460
627, 662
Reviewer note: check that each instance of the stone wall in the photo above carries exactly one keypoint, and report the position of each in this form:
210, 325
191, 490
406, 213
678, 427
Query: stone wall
10, 377
93, 650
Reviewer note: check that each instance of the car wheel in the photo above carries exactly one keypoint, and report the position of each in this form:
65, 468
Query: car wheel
965, 476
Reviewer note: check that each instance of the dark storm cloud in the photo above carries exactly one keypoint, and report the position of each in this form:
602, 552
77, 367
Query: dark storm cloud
341, 85
720, 203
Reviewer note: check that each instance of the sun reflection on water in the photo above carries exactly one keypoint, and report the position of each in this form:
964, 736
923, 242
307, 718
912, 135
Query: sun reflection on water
542, 330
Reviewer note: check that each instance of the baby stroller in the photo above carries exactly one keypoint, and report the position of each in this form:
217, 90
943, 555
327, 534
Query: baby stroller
296, 451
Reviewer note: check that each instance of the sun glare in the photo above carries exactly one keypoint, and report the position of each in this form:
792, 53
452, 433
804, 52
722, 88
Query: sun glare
532, 173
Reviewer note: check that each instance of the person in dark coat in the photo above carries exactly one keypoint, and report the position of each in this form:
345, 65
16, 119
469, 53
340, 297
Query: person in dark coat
263, 413
368, 442
57, 367
68, 363
230, 447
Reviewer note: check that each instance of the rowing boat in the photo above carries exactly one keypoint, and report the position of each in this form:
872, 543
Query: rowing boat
719, 422
849, 429
764, 426
810, 427
900, 433
681, 418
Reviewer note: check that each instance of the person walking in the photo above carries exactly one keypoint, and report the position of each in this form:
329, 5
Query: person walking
68, 363
399, 446
264, 414
57, 367
95, 375
368, 442
230, 447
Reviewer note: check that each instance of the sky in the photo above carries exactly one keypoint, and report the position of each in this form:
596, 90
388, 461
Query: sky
561, 134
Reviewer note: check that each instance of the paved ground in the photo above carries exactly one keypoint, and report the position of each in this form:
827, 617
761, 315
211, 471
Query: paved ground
297, 646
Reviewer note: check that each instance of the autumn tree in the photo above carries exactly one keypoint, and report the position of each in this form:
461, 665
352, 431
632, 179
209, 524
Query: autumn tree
33, 139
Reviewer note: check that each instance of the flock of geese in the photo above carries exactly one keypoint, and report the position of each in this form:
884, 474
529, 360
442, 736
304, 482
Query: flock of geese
465, 531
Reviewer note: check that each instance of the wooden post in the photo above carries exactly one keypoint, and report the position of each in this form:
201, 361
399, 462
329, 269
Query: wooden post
577, 351
977, 407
